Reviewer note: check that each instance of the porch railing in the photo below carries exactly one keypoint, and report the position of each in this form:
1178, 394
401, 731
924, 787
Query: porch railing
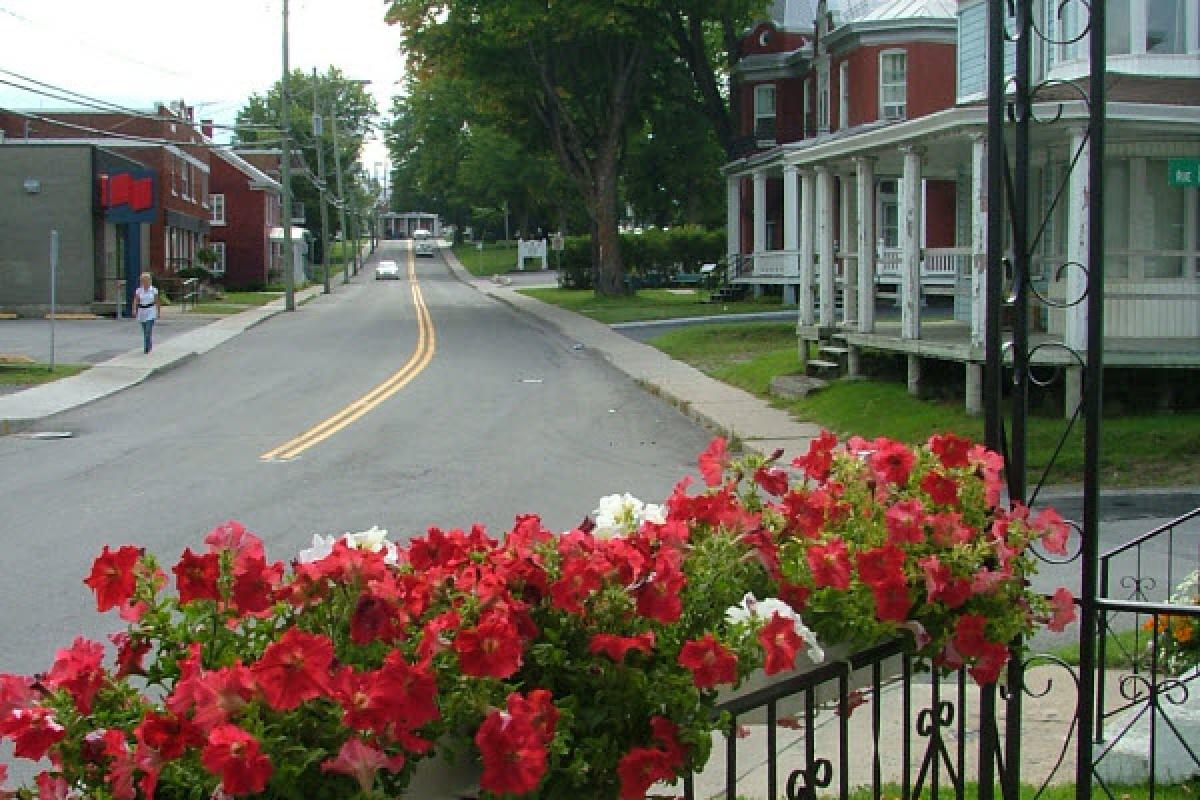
776, 264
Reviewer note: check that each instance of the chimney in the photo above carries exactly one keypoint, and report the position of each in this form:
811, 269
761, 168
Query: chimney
206, 127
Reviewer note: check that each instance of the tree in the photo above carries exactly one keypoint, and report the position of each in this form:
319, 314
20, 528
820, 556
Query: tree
258, 123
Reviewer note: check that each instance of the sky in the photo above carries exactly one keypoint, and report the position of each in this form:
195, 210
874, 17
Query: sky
213, 55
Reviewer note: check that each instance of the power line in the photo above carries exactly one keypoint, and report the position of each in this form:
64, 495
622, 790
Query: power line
207, 145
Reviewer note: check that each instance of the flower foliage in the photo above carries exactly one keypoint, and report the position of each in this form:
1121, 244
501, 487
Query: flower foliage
1178, 635
585, 662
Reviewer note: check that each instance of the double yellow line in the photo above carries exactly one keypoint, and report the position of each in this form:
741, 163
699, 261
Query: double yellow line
426, 346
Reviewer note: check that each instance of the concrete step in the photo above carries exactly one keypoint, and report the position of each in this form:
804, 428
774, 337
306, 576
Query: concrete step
821, 363
834, 349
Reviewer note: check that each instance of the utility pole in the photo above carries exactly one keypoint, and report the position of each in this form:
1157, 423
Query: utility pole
289, 255
318, 134
337, 165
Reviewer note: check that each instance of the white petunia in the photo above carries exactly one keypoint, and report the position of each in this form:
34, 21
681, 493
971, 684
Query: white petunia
623, 514
373, 539
752, 608
322, 546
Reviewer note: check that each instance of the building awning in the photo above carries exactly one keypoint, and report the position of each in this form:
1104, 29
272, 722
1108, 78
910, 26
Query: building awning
177, 219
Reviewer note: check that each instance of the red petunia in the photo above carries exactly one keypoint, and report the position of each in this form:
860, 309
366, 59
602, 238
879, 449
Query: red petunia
1064, 609
513, 754
905, 522
892, 601
660, 597
772, 480
113, 578
780, 643
167, 735
881, 565
492, 649
16, 691
79, 670
236, 757
616, 647
951, 450
666, 733
254, 582
196, 576
807, 512
362, 762
294, 669
942, 489
213, 697
233, 536
969, 636
830, 564
538, 709
580, 578
819, 458
709, 662
1053, 529
892, 461
33, 731
375, 619
406, 692
641, 768
713, 461
130, 652
988, 663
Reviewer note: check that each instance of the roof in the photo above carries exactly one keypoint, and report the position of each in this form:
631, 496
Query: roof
896, 10
258, 178
792, 14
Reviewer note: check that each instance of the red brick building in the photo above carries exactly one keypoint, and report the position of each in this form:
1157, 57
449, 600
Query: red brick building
246, 206
167, 141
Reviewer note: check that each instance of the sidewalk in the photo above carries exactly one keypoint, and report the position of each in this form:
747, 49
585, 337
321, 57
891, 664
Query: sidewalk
735, 414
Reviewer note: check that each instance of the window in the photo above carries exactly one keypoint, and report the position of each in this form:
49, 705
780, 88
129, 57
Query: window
218, 208
764, 112
1149, 226
893, 84
185, 170
1166, 26
174, 174
889, 214
844, 95
823, 98
1165, 207
204, 189
218, 266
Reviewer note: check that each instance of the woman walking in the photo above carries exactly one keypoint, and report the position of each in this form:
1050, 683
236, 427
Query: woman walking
147, 301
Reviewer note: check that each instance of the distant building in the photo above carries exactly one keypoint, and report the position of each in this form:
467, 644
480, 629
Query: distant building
401, 224
246, 206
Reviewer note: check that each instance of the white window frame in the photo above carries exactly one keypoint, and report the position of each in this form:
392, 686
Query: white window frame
761, 92
218, 266
893, 110
844, 95
217, 202
823, 97
174, 175
186, 172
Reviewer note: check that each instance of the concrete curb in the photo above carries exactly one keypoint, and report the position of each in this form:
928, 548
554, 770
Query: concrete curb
738, 415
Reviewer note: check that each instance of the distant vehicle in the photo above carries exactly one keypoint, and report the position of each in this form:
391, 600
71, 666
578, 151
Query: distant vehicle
423, 243
387, 271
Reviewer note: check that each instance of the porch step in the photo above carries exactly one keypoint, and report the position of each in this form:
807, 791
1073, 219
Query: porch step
821, 363
835, 349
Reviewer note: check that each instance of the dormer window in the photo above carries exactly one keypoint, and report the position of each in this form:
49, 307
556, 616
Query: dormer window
764, 113
893, 84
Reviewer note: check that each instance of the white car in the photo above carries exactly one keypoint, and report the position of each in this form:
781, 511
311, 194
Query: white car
423, 243
387, 270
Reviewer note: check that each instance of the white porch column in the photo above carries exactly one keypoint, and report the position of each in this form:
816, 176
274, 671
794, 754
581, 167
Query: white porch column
910, 244
847, 242
760, 212
733, 219
791, 224
808, 213
825, 245
1075, 333
866, 243
978, 239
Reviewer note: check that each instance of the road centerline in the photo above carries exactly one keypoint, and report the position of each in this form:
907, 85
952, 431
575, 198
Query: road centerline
422, 355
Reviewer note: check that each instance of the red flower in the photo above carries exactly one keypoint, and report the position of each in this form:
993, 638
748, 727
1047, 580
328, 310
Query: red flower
881, 565
905, 521
361, 761
492, 649
513, 754
294, 669
892, 462
709, 661
819, 459
666, 733
113, 578
130, 652
942, 489
989, 662
52, 787
830, 564
16, 691
233, 536
713, 461
1064, 610
376, 620
33, 731
167, 735
407, 693
196, 576
780, 644
969, 637
807, 512
235, 756
641, 768
615, 647
254, 582
773, 481
212, 697
949, 530
538, 709
951, 450
660, 597
580, 578
892, 602
1053, 529
78, 670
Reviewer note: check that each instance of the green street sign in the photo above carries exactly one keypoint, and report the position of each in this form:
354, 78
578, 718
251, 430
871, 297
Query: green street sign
1183, 171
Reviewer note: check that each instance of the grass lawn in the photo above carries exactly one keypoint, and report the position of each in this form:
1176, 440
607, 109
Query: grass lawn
233, 302
648, 304
1136, 450
33, 374
495, 258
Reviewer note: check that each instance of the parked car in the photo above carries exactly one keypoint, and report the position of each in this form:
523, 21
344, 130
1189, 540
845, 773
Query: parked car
387, 270
423, 243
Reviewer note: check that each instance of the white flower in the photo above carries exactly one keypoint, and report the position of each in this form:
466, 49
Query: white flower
373, 539
623, 514
753, 609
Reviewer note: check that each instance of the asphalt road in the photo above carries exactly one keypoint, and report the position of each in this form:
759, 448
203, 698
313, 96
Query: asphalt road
506, 418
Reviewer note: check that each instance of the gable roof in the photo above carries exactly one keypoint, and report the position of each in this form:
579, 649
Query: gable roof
258, 178
895, 10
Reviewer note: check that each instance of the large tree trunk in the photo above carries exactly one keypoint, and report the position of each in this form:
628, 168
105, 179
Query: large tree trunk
610, 271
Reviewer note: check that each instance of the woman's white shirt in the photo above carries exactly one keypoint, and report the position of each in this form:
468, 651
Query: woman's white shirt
143, 297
